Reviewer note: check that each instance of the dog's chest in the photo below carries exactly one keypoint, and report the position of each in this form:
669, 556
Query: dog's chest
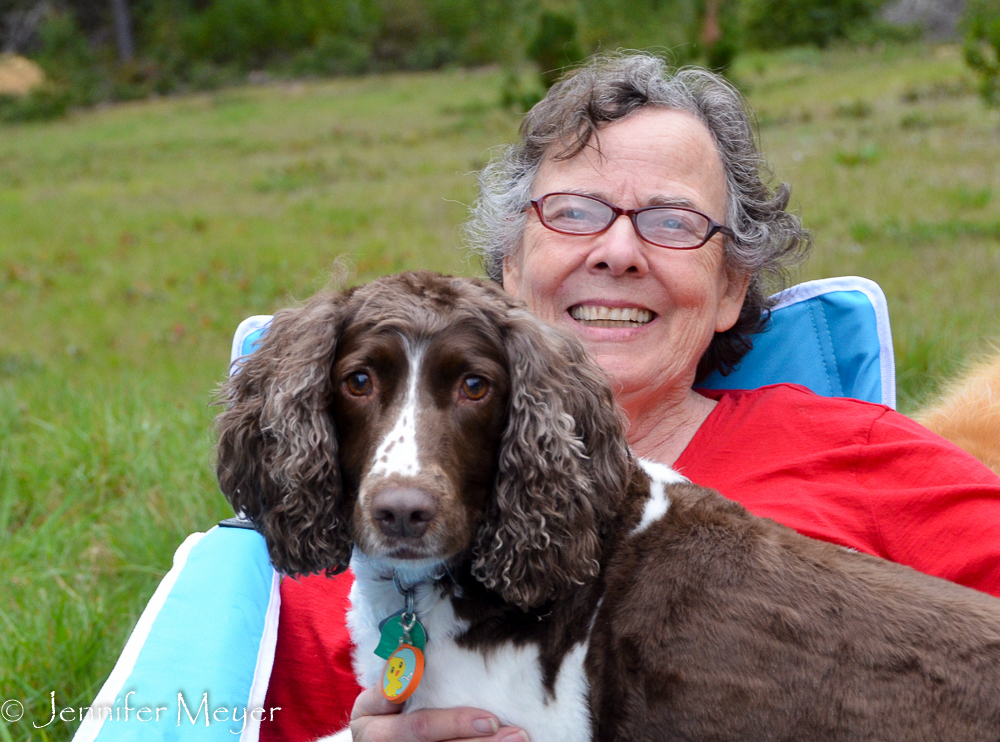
505, 679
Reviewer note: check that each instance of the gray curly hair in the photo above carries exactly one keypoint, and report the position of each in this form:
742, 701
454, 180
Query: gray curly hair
768, 240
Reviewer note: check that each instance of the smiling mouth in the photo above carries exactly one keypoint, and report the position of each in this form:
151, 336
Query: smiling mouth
617, 317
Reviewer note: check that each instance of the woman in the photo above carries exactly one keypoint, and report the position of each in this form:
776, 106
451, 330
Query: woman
633, 212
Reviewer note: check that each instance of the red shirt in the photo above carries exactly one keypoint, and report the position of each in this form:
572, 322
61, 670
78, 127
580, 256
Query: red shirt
840, 470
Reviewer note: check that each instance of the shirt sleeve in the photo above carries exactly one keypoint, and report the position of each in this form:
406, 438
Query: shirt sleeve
312, 681
936, 507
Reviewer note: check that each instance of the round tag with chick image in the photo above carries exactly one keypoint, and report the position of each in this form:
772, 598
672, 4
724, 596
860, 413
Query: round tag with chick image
402, 673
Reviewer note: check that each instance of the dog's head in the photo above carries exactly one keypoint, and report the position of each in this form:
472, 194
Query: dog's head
425, 419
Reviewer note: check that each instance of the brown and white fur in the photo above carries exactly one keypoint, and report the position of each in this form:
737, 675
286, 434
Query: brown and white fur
968, 412
433, 428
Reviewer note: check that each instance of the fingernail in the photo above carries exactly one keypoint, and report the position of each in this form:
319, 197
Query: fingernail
486, 726
515, 737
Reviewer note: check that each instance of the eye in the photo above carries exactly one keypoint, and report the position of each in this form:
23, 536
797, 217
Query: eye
666, 220
574, 213
359, 384
570, 214
474, 387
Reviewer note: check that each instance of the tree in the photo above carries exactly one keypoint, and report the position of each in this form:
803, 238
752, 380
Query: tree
124, 38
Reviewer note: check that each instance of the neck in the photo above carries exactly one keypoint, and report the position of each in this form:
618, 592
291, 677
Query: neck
662, 432
407, 573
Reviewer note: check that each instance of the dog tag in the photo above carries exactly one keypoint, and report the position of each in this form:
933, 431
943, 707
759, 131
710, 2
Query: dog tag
391, 630
402, 673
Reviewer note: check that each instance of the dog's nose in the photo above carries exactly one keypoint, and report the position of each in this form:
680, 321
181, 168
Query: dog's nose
403, 511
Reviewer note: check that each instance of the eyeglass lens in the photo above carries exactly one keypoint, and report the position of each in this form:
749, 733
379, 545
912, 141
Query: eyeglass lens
662, 225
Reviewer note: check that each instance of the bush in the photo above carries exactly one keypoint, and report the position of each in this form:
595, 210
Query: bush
554, 46
771, 24
42, 104
982, 47
198, 44
69, 62
333, 55
427, 34
665, 25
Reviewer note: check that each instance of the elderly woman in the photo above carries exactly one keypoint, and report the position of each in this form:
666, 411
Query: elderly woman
633, 212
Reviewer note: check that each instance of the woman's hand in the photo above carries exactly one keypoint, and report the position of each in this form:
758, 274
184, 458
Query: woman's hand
374, 719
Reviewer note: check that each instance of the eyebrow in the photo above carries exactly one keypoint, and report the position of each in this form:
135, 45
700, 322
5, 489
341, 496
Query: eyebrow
672, 201
654, 201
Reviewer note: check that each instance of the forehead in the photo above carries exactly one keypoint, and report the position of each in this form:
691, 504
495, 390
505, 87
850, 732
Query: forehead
656, 154
402, 312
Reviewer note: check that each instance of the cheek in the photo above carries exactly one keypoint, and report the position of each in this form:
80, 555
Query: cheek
697, 282
535, 274
471, 452
475, 435
356, 426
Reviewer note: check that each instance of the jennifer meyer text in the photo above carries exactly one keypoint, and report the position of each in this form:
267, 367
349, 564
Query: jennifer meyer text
130, 711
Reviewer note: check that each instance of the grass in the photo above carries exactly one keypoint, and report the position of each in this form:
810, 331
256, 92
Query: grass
134, 238
893, 164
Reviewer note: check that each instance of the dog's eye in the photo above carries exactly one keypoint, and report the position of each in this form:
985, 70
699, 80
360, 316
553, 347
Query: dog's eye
475, 387
359, 384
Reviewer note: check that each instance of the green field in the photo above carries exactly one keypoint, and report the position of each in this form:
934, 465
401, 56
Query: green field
134, 238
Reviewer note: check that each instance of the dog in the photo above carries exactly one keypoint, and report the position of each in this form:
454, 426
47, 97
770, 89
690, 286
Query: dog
470, 465
967, 413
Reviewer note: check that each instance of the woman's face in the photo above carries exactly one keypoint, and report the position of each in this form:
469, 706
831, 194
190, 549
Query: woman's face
680, 297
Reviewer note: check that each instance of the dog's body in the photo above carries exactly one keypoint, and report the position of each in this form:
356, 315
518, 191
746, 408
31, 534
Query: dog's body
968, 412
475, 455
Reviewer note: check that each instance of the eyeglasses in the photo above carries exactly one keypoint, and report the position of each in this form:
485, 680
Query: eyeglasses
676, 227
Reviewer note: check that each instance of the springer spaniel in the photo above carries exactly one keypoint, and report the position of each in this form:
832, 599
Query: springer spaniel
432, 435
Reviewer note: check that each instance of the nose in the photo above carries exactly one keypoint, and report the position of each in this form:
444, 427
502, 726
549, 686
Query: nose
403, 511
620, 250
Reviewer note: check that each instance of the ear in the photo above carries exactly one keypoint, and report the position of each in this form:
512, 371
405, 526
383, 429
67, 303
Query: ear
731, 298
563, 467
512, 274
277, 450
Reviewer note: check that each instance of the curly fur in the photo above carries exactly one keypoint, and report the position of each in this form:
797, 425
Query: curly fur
277, 448
561, 462
562, 449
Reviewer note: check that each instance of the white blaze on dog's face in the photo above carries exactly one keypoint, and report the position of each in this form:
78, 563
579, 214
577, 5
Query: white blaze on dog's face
398, 452
419, 421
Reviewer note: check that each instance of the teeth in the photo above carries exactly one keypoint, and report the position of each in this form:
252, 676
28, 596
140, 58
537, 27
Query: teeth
633, 316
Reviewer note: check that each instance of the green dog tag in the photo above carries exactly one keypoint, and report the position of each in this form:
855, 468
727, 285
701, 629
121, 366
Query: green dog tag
391, 629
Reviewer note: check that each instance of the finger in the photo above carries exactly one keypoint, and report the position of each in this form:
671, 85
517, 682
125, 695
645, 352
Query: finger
504, 734
376, 720
371, 702
435, 725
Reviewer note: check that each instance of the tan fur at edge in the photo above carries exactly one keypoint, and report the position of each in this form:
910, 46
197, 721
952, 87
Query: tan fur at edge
968, 412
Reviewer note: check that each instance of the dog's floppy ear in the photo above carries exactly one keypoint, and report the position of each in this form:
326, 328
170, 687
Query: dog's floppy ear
277, 449
563, 467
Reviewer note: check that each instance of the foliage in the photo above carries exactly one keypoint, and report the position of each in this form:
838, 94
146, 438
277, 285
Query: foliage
554, 46
44, 104
982, 47
184, 45
669, 26
519, 95
247, 33
772, 24
330, 37
204, 44
69, 61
